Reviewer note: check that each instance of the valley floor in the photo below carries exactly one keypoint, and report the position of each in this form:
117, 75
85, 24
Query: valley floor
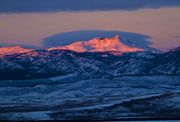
128, 97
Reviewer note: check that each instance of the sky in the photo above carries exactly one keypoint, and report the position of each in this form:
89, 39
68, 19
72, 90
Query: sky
32, 22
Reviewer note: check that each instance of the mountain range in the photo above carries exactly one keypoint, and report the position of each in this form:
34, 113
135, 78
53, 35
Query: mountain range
96, 58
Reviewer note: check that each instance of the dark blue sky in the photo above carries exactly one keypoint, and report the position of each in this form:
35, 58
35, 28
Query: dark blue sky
16, 6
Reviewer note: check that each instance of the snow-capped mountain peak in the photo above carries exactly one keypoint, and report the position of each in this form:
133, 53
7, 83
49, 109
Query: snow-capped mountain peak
8, 50
99, 45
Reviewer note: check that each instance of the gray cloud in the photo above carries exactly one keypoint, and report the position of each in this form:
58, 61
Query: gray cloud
21, 6
136, 39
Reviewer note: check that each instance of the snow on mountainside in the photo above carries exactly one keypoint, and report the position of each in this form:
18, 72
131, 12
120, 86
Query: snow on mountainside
12, 50
99, 45
97, 58
113, 45
176, 49
95, 99
87, 65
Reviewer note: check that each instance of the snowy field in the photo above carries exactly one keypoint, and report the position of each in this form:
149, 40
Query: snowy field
128, 97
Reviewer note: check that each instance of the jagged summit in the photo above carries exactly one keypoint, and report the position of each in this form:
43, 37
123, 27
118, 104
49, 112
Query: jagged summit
99, 45
113, 44
8, 50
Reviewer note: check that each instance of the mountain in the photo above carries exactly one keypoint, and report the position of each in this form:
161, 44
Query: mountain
96, 58
87, 65
9, 50
99, 45
128, 38
113, 45
176, 49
